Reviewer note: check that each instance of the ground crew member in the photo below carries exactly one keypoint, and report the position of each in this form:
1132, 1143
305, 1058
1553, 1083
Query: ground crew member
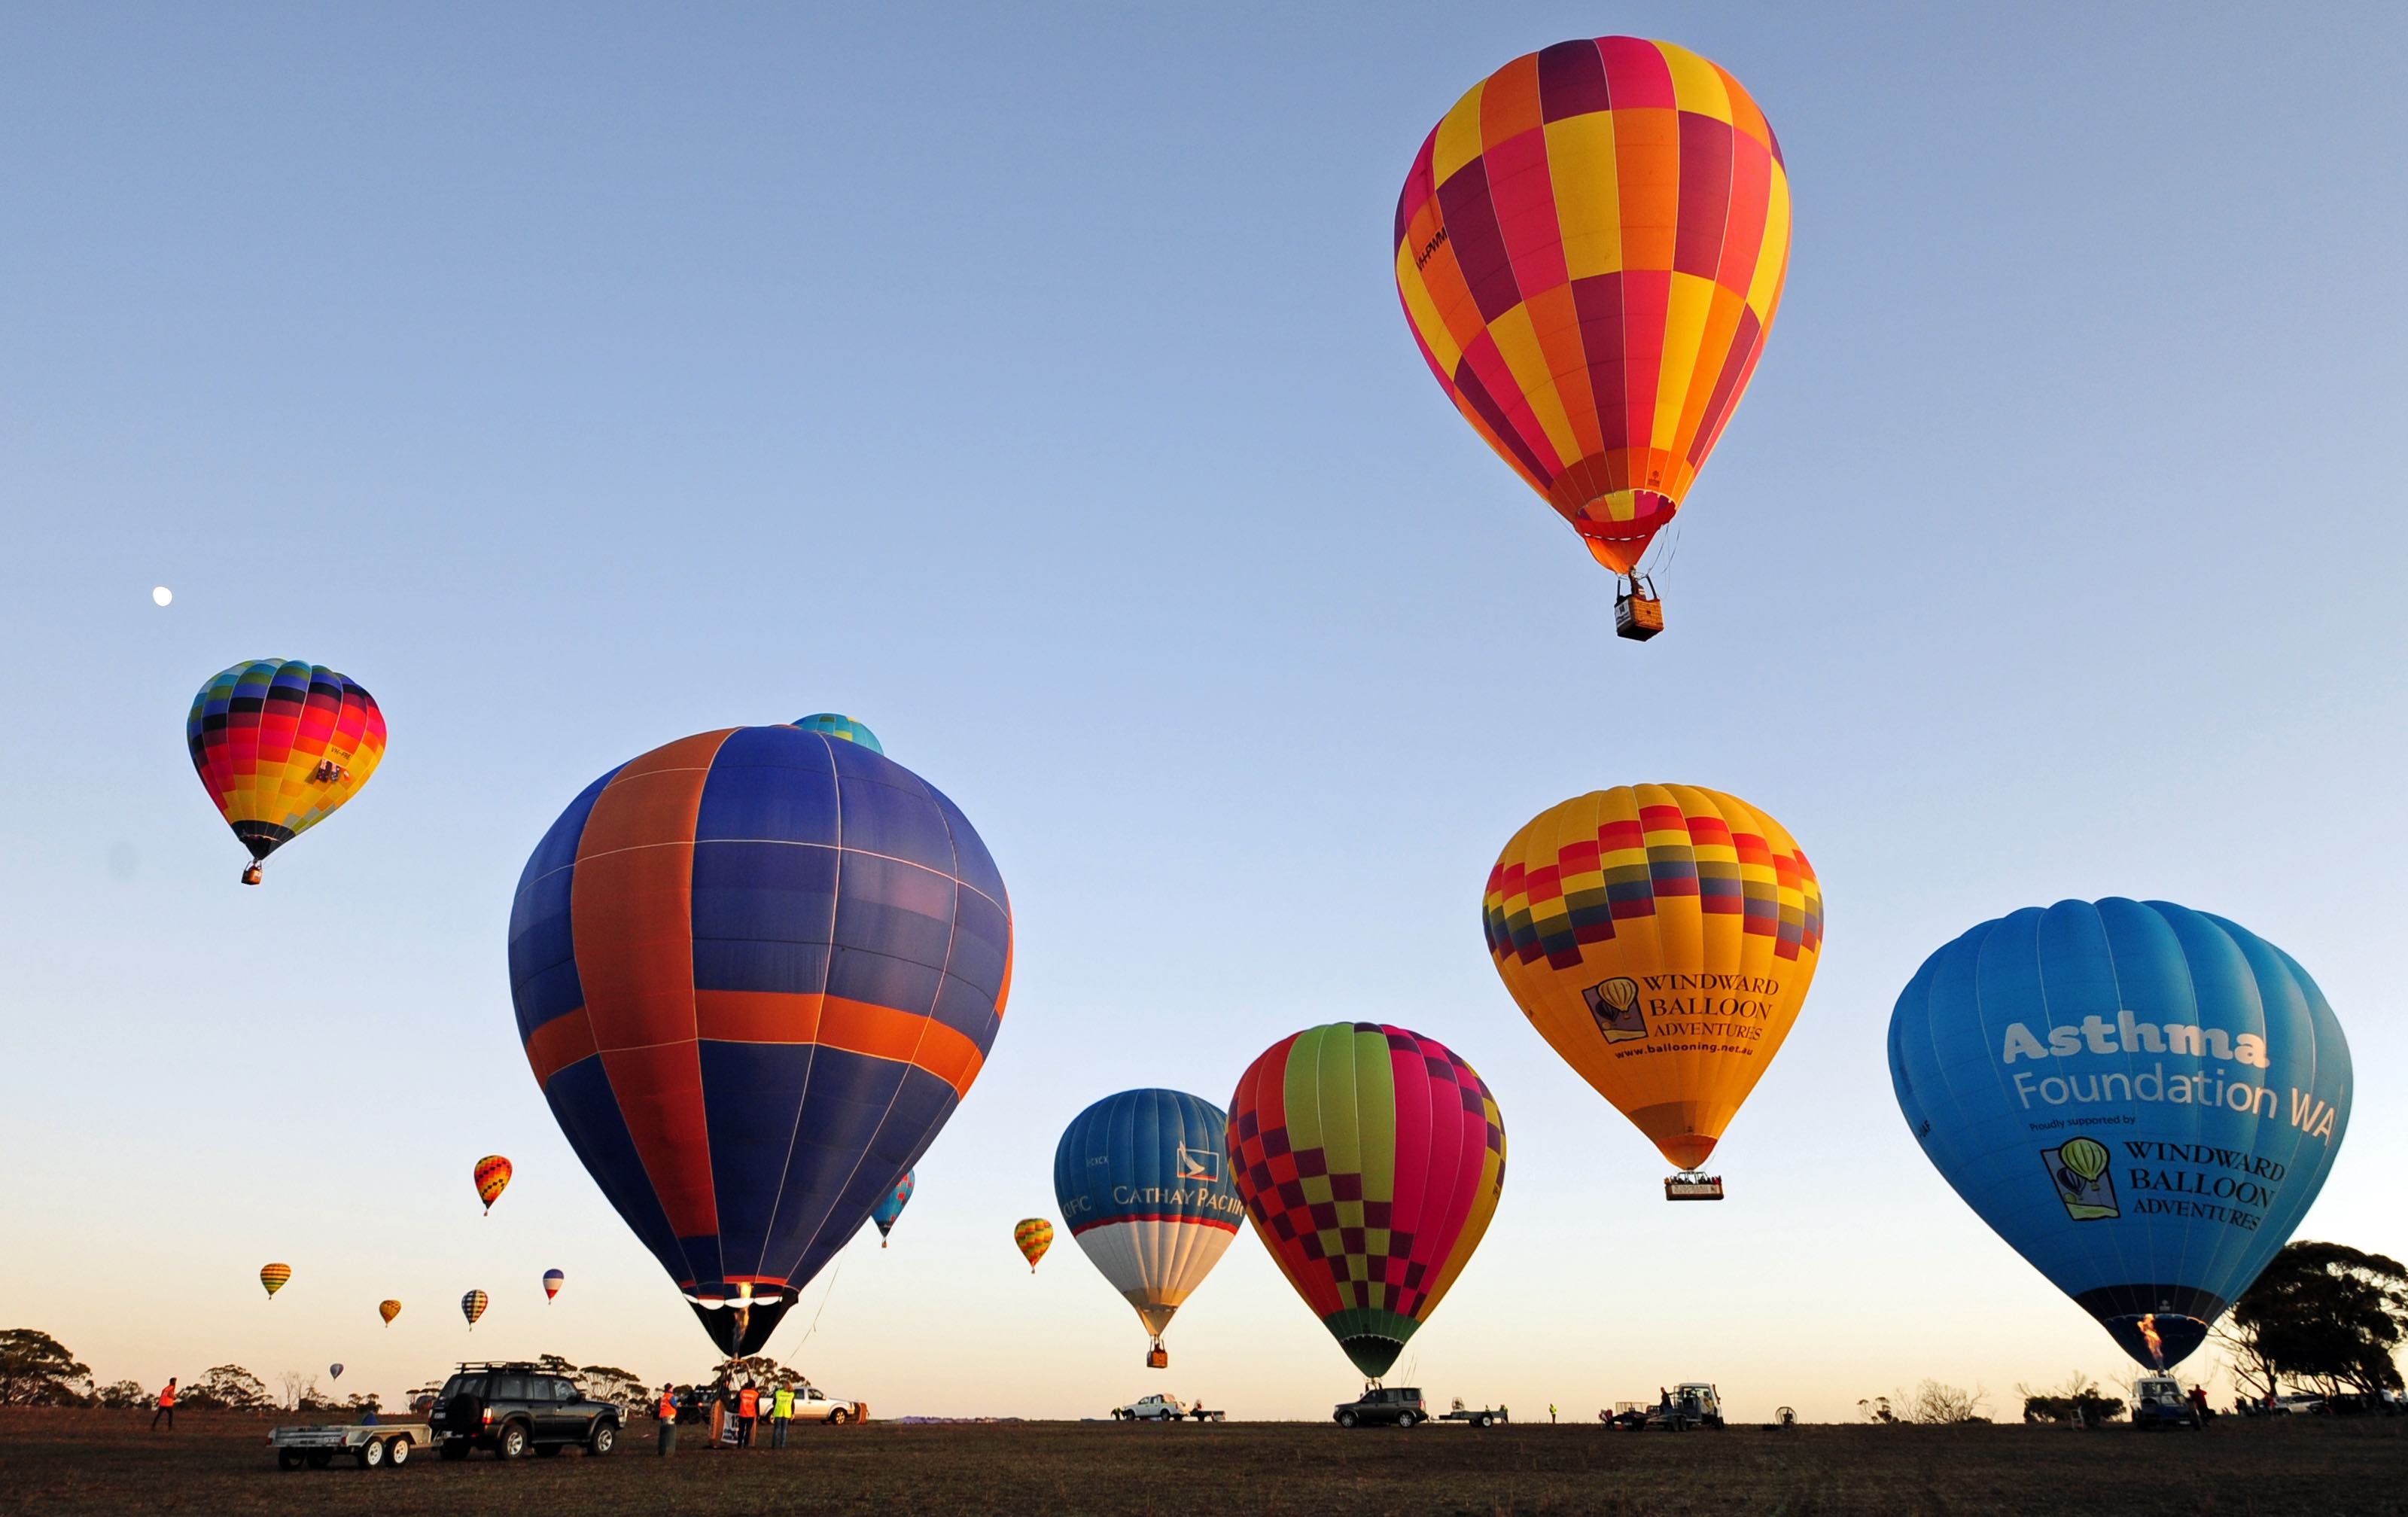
167, 1406
1551, 1412
782, 1415
747, 1407
668, 1412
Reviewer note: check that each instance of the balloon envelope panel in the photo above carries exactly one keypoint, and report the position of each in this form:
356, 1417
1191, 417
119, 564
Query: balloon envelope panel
1370, 1159
1590, 248
258, 733
1662, 939
2141, 1098
755, 970
1144, 1184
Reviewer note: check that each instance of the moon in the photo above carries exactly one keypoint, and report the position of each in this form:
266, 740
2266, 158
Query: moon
161, 595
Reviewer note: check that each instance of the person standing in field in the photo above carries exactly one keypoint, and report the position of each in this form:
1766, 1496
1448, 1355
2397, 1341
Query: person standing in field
748, 1409
782, 1415
668, 1412
167, 1406
1551, 1413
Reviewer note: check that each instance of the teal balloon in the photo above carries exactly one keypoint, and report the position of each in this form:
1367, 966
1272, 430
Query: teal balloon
839, 726
2201, 1057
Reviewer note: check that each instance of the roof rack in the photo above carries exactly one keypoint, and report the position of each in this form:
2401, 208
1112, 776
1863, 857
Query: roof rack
518, 1366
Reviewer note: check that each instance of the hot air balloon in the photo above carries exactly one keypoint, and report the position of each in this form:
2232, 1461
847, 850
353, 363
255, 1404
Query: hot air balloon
387, 1310
274, 1275
890, 1206
493, 1178
840, 726
1143, 1182
1661, 937
1370, 1159
553, 1281
755, 971
1590, 248
1032, 1237
2141, 1098
335, 1370
472, 1306
280, 745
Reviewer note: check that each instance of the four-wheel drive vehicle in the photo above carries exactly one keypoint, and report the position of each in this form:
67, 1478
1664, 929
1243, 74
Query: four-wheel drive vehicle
1151, 1409
1690, 1404
512, 1408
374, 1447
813, 1405
2157, 1401
1402, 1406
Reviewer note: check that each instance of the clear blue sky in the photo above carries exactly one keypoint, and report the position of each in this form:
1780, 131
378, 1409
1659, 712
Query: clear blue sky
1032, 386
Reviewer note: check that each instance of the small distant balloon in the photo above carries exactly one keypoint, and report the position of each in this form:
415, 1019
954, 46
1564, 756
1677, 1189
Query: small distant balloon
274, 1275
161, 595
493, 1176
1033, 1236
335, 1370
472, 1306
553, 1281
387, 1310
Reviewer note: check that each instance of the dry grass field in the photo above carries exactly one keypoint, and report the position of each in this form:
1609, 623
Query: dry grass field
104, 1462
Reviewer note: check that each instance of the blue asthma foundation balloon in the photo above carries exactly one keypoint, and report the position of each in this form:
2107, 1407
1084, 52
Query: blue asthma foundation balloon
2143, 1099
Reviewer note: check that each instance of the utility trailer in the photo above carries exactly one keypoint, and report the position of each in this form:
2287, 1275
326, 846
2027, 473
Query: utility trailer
1476, 1416
371, 1445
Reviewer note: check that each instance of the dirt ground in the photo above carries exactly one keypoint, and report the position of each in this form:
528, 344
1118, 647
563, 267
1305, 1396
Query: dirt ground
107, 1461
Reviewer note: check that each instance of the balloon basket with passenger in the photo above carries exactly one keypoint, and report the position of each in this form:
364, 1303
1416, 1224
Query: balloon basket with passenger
1688, 1185
1157, 1357
1638, 610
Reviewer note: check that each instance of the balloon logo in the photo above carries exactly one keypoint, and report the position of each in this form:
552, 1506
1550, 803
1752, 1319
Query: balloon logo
472, 1306
387, 1310
755, 971
1590, 248
493, 1178
1370, 1159
553, 1281
280, 746
1032, 1236
335, 1370
1662, 939
890, 1207
274, 1275
2207, 1055
1144, 1186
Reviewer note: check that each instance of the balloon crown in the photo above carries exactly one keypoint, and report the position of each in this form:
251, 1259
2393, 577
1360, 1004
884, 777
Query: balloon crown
837, 725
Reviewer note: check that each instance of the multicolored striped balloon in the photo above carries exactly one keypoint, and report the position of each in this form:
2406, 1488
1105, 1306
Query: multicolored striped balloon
493, 1176
1590, 248
472, 1306
756, 972
388, 1310
1370, 1159
553, 1281
1662, 939
280, 745
1032, 1237
274, 1275
887, 1211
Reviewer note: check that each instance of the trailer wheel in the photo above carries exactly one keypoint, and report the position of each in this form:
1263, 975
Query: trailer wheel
396, 1448
288, 1458
320, 1458
1481, 1421
370, 1454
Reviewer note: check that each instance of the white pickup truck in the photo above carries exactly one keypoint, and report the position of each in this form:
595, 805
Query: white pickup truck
813, 1405
1162, 1409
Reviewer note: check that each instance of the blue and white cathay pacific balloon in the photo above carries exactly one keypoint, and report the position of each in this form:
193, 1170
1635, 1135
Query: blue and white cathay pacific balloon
1144, 1185
2143, 1099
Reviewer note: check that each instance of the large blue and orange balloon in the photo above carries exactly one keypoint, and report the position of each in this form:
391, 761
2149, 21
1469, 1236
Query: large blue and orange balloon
755, 971
280, 745
1144, 1184
2143, 1099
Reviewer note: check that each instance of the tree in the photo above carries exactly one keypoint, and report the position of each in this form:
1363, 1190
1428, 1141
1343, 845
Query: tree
608, 1383
300, 1390
1876, 1408
36, 1371
2325, 1314
1934, 1405
125, 1392
229, 1386
2079, 1399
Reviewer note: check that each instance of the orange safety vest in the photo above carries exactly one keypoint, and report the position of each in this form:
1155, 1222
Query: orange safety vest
167, 1396
749, 1404
667, 1408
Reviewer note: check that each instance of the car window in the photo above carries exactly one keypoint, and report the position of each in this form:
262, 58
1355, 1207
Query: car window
509, 1388
564, 1390
464, 1385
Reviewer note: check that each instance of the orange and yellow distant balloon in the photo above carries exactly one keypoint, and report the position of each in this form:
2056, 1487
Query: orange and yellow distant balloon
1033, 1236
274, 1275
493, 1179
